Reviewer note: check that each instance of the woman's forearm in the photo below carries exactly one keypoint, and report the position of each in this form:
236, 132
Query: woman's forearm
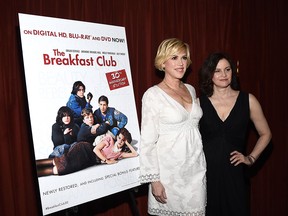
99, 154
133, 151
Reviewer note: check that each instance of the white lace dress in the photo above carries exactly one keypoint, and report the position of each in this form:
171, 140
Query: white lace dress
171, 152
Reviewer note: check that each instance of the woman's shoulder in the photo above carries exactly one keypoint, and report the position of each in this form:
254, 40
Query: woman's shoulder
151, 91
107, 139
55, 126
252, 99
190, 87
72, 97
153, 88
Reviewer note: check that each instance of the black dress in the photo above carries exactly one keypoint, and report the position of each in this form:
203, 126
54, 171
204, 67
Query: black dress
227, 185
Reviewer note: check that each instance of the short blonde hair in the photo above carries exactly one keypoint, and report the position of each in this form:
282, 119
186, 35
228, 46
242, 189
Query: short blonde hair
169, 47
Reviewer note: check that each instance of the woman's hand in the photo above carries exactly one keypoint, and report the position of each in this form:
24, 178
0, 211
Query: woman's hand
68, 130
237, 158
158, 192
89, 97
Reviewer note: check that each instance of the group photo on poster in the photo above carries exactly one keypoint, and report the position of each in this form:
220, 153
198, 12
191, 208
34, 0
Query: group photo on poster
82, 109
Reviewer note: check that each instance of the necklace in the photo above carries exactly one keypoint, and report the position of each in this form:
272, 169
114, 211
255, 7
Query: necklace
187, 101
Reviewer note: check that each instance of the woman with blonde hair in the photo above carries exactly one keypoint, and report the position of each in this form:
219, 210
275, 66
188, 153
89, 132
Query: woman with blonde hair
171, 155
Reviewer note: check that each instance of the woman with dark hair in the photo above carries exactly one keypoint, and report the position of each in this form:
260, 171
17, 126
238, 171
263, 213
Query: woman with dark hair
64, 131
77, 101
207, 71
227, 112
82, 155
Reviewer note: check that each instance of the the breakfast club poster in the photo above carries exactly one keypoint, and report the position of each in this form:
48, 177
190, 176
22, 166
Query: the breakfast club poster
57, 53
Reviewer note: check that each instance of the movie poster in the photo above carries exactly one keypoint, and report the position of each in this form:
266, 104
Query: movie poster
57, 53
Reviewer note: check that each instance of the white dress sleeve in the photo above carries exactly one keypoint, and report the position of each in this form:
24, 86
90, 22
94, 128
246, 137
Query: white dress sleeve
149, 168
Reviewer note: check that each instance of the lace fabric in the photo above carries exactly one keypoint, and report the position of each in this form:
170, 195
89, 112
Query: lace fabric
149, 178
163, 212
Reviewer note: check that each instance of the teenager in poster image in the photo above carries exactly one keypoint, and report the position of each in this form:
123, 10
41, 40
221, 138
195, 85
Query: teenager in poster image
82, 155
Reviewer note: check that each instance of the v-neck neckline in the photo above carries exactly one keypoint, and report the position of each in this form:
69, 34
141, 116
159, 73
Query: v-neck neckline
229, 114
188, 111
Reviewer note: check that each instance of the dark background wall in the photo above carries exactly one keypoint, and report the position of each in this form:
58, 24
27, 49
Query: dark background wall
254, 32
